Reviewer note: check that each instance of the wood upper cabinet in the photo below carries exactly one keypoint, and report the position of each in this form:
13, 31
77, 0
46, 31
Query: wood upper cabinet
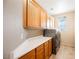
31, 14
34, 15
29, 55
43, 19
40, 52
50, 22
25, 13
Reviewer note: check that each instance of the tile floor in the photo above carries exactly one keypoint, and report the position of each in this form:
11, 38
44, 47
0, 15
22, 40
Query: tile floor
65, 52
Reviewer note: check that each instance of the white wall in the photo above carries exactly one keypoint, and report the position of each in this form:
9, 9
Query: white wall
13, 28
68, 35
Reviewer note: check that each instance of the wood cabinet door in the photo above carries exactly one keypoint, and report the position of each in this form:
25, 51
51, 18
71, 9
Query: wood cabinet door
43, 19
40, 52
25, 13
50, 47
50, 22
30, 55
46, 47
33, 14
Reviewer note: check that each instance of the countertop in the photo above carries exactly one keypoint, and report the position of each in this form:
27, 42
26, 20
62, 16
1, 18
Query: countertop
28, 45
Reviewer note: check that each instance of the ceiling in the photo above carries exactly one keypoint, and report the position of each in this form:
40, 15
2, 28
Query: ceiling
57, 6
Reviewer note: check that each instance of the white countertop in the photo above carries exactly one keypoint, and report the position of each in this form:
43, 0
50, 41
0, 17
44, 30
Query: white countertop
28, 45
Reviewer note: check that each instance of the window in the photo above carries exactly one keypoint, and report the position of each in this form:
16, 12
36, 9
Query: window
61, 24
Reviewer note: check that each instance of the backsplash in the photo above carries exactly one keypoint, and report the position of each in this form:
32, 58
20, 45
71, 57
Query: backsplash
32, 33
